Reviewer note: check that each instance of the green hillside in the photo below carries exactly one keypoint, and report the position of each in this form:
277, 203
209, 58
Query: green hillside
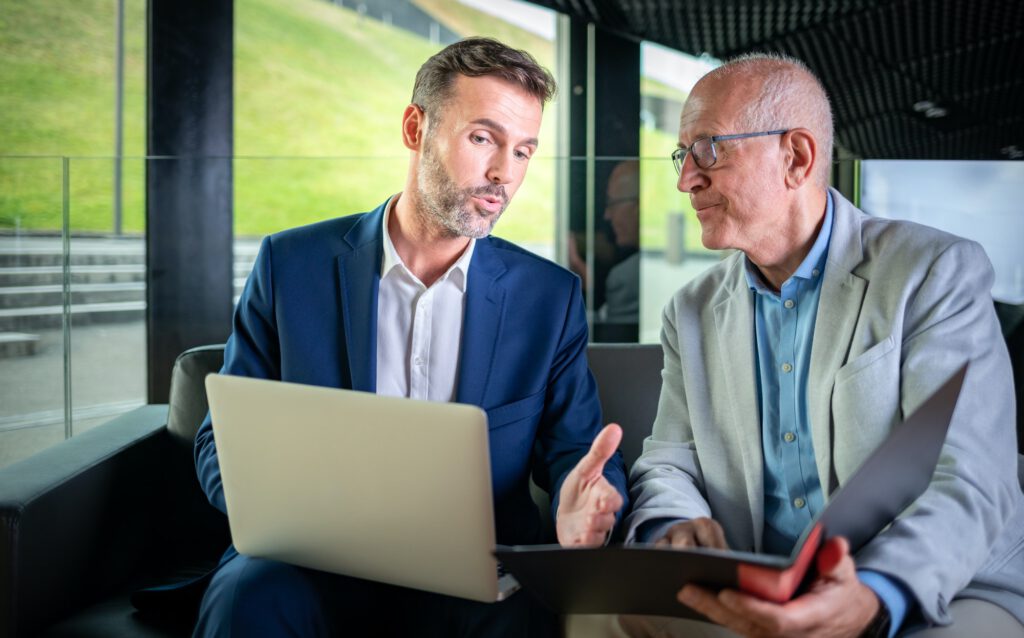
319, 95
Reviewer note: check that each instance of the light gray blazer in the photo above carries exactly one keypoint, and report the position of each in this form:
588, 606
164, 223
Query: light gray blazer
902, 307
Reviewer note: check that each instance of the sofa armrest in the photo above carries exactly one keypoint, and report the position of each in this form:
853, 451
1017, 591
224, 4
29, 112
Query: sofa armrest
77, 519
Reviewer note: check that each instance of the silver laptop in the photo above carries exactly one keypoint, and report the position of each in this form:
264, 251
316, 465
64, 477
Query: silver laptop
387, 489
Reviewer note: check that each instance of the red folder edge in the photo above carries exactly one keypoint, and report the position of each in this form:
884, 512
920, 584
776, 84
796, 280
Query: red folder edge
779, 586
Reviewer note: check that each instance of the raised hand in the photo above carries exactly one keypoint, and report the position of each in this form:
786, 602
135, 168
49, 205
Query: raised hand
587, 502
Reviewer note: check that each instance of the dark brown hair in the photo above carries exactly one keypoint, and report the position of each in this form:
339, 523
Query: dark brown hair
476, 57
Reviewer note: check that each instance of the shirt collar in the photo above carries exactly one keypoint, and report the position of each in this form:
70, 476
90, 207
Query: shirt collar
813, 264
459, 271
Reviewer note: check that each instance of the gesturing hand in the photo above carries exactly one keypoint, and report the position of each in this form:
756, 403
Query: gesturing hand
587, 502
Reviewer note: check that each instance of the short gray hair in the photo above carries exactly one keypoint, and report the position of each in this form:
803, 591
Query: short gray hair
791, 96
476, 57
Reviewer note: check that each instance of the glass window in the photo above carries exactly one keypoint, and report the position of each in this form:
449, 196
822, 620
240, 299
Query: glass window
72, 94
977, 200
319, 94
671, 251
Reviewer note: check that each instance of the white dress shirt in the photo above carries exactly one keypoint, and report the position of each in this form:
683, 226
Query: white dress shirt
419, 329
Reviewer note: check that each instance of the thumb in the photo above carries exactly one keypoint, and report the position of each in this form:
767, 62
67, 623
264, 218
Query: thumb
602, 449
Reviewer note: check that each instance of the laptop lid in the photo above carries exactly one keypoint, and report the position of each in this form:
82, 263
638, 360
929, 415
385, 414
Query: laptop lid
387, 489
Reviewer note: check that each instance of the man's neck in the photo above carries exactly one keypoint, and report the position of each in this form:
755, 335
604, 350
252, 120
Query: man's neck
426, 249
781, 258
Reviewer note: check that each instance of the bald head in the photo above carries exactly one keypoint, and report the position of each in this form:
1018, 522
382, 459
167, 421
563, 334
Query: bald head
777, 92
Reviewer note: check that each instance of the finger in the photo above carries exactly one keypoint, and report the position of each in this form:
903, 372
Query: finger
707, 603
709, 534
683, 537
766, 615
605, 498
602, 449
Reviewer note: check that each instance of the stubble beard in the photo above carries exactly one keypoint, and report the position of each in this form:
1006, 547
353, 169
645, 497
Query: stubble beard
446, 206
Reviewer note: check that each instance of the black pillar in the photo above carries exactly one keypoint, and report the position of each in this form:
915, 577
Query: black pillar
189, 141
605, 122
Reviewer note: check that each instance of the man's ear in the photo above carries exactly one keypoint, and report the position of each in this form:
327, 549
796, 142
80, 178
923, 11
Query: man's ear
801, 151
414, 127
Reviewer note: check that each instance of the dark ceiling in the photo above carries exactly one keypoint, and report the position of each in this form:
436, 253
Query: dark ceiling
909, 79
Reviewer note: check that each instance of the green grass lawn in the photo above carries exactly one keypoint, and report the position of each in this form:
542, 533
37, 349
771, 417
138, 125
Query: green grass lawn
319, 95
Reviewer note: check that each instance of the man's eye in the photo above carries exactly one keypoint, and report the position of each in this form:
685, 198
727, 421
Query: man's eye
522, 155
478, 139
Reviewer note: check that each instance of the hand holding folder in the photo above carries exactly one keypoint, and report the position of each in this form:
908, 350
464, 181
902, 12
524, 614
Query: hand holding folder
646, 579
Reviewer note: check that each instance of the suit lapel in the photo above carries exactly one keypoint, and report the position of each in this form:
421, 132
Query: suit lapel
734, 323
359, 281
842, 294
481, 323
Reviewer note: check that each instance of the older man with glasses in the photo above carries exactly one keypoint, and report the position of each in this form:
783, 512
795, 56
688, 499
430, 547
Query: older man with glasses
790, 360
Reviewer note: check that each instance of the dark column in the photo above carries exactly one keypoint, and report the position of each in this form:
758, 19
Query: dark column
613, 134
189, 139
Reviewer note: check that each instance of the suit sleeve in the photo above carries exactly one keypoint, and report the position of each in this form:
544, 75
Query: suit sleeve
666, 483
937, 546
572, 411
252, 350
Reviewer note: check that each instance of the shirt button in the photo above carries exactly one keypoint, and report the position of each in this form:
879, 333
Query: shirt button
787, 367
815, 272
418, 361
789, 437
789, 303
799, 503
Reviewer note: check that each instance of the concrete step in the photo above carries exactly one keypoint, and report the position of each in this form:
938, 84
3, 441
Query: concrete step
17, 344
54, 275
28, 319
10, 259
53, 295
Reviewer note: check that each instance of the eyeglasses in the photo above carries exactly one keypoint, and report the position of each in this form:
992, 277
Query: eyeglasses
703, 150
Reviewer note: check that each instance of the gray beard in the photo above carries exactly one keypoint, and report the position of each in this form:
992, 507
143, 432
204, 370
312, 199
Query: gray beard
445, 205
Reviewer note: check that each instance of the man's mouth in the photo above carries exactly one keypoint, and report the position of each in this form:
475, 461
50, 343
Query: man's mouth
490, 203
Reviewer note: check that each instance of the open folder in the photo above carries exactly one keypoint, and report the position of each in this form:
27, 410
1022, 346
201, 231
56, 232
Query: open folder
643, 579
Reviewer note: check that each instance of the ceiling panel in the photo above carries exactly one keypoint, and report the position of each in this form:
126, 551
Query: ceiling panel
924, 79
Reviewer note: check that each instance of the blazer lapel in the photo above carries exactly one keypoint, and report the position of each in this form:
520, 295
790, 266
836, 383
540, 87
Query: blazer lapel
842, 294
734, 322
481, 323
359, 281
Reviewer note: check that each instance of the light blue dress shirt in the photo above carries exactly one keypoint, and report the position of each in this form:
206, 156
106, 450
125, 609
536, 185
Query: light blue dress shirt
784, 332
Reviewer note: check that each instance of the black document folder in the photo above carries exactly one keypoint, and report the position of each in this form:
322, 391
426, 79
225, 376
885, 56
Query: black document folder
642, 579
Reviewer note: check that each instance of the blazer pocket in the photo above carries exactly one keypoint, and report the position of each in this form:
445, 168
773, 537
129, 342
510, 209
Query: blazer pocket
865, 359
515, 411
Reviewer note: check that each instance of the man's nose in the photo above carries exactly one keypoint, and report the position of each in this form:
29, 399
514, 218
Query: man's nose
499, 170
691, 177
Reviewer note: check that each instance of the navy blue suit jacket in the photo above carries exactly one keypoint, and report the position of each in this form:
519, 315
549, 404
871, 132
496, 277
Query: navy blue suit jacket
308, 314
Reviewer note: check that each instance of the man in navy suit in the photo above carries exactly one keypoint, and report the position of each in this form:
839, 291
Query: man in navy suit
416, 299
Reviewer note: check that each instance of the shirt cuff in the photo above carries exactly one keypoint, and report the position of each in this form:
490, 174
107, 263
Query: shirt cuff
893, 594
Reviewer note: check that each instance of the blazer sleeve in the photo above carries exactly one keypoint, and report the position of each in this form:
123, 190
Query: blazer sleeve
572, 411
666, 482
938, 544
252, 350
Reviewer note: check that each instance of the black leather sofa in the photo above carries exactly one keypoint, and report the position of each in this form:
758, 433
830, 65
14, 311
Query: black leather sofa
86, 523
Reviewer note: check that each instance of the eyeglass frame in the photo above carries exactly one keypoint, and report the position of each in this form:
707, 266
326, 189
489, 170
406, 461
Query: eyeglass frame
679, 155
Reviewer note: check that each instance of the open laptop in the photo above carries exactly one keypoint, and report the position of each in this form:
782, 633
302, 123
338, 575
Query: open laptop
382, 488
